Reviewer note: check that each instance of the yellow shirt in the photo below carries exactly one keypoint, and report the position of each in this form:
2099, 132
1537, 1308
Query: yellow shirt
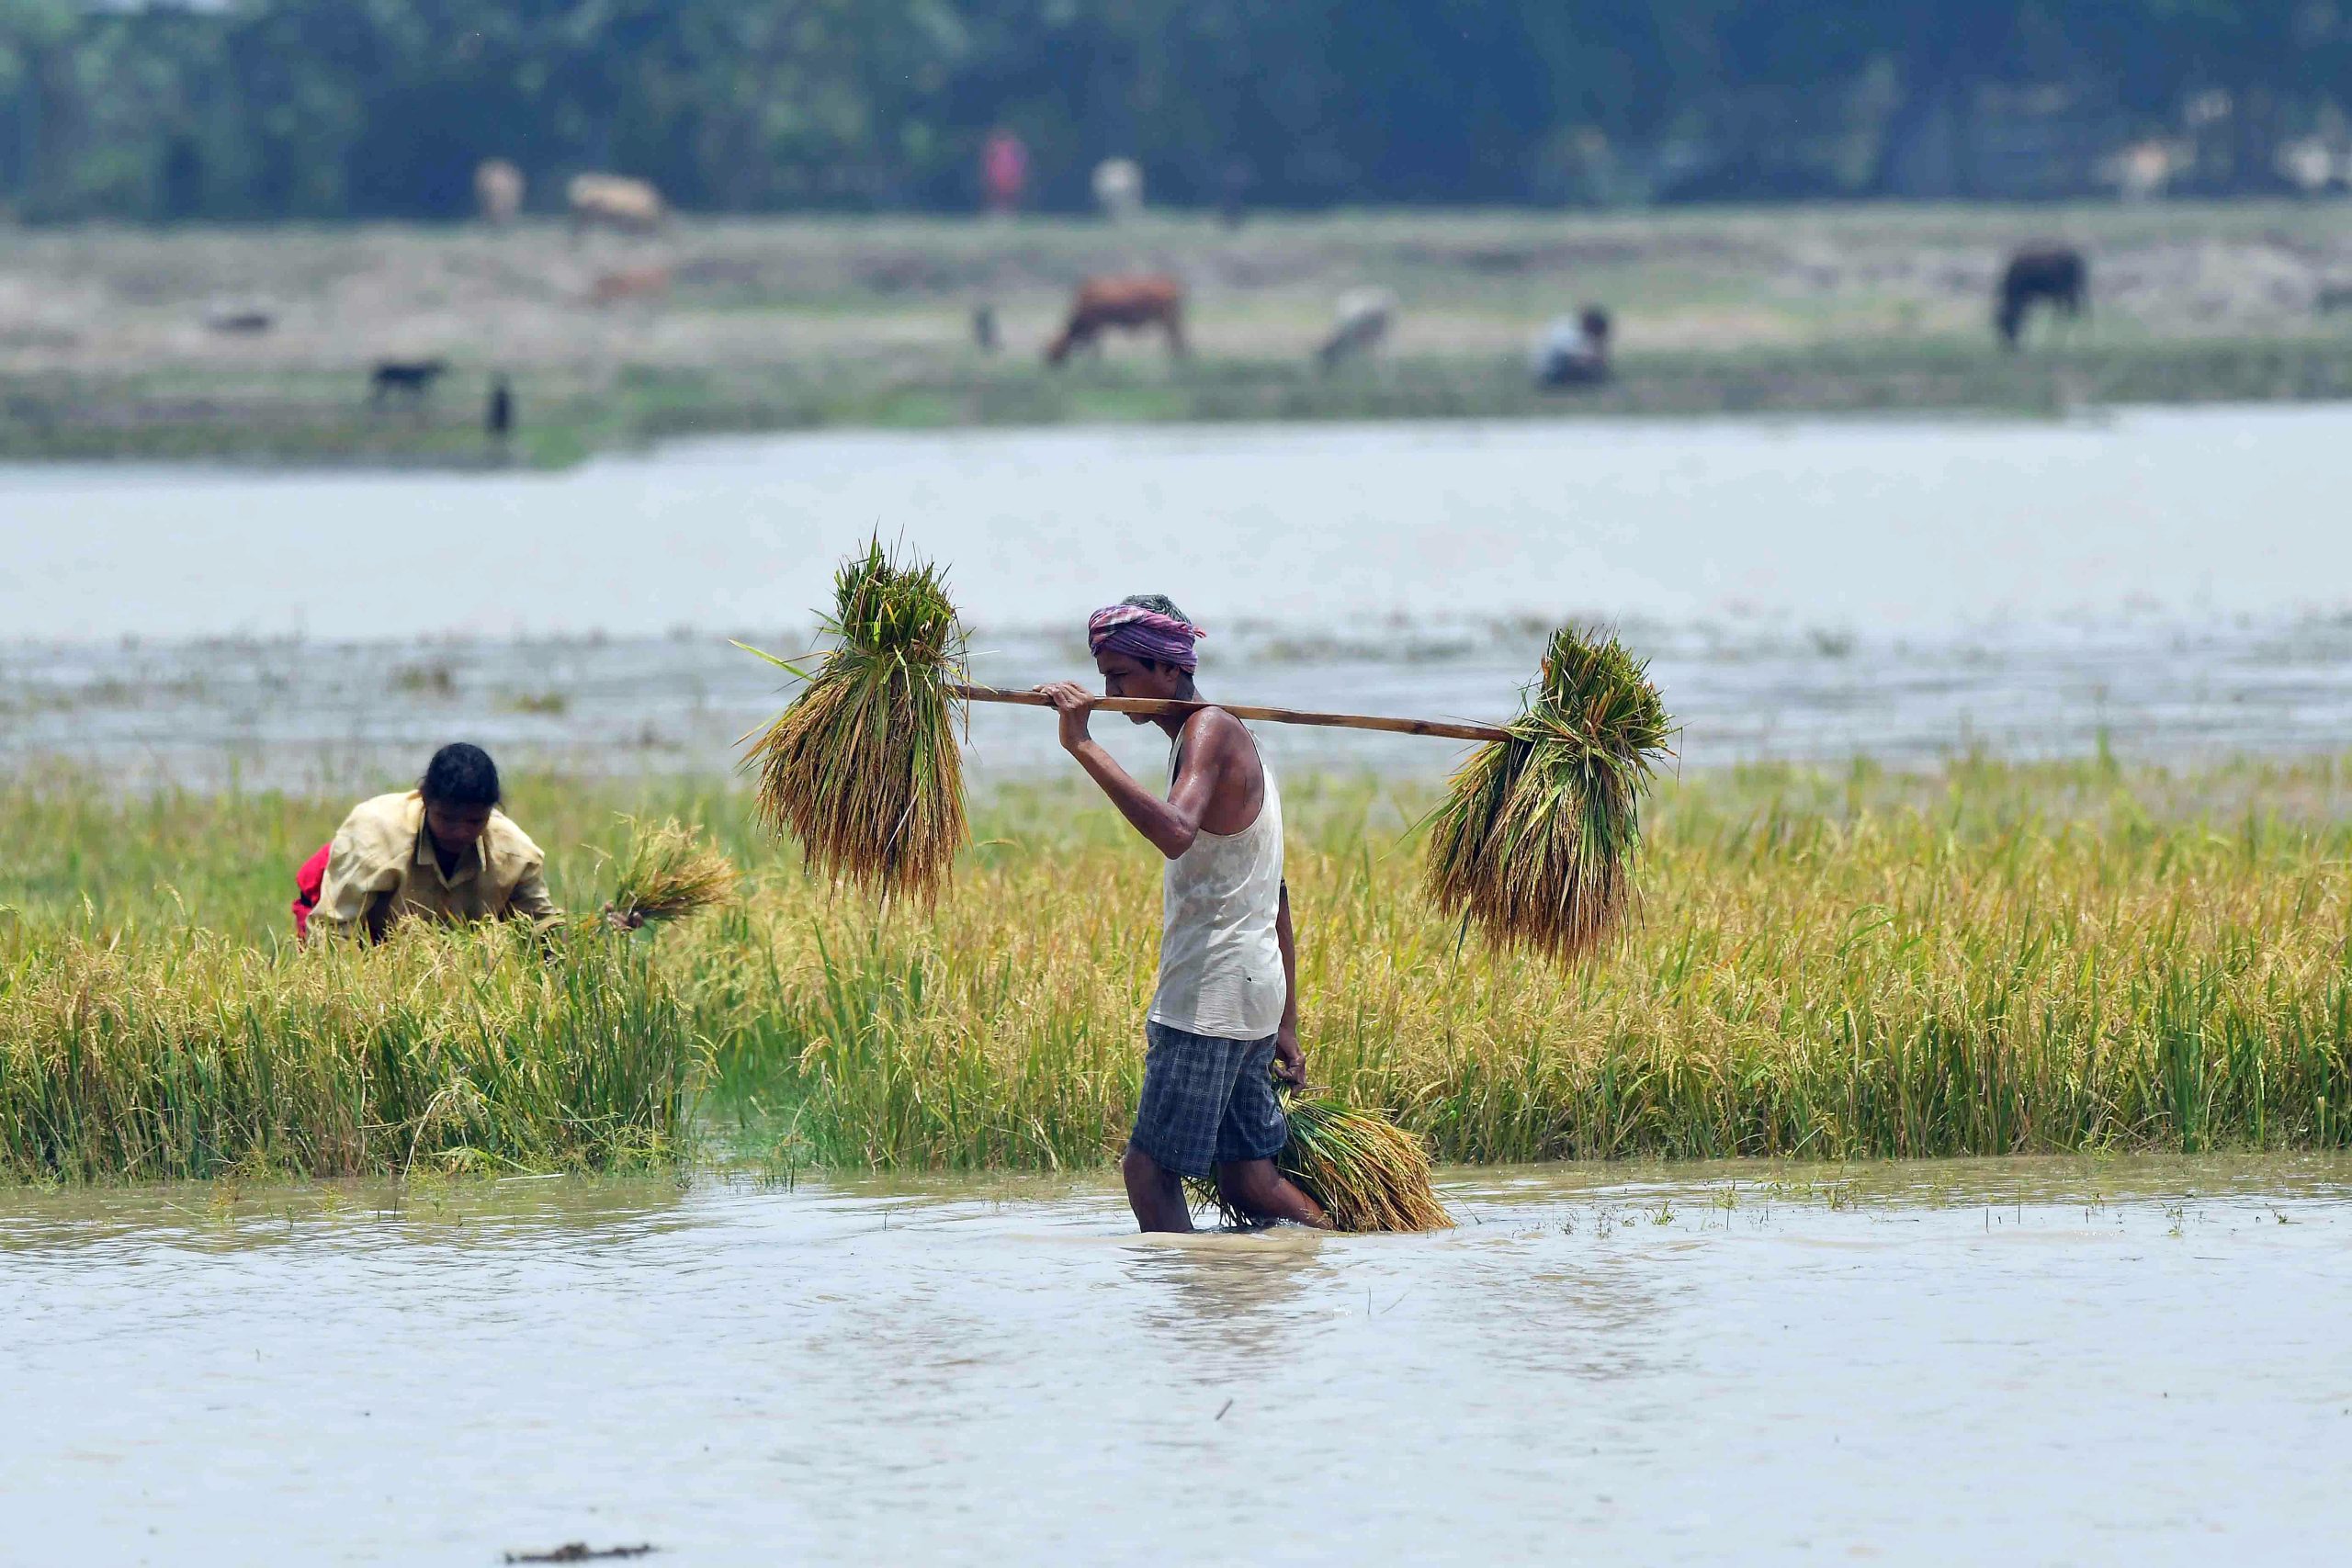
383, 857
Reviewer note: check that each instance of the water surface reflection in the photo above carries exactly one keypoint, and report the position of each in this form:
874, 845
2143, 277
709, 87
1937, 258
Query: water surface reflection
2061, 1359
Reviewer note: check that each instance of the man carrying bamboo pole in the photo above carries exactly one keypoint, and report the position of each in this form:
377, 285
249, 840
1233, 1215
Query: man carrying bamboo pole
1224, 1018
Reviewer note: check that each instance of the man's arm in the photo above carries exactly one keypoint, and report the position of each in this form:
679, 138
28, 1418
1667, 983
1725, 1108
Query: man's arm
1290, 1062
1170, 824
359, 877
529, 901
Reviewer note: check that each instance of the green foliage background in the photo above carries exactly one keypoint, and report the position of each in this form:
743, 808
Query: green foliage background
353, 108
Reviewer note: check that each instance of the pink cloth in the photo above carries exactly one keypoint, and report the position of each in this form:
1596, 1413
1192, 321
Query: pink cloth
1004, 169
309, 881
1143, 633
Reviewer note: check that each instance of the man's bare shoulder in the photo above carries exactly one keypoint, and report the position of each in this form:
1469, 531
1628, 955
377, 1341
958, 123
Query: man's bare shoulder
1227, 761
1218, 739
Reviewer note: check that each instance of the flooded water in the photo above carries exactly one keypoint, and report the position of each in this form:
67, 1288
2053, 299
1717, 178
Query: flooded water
2013, 1361
2173, 579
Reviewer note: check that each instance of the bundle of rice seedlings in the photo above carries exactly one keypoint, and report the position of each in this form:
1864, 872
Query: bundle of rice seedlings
1367, 1172
863, 767
667, 874
1535, 841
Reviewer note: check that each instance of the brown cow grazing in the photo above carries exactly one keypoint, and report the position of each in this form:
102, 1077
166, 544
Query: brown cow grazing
2055, 275
1131, 304
630, 282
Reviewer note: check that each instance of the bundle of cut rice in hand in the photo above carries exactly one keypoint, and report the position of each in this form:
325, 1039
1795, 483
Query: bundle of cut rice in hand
1535, 841
863, 767
1368, 1173
667, 874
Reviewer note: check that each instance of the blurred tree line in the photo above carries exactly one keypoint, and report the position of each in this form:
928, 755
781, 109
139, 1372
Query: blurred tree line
350, 108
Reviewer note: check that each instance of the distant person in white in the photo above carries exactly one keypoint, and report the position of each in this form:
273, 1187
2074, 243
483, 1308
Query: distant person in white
1573, 350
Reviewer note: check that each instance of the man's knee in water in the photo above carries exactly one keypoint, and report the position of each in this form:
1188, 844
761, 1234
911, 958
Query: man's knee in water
1139, 1169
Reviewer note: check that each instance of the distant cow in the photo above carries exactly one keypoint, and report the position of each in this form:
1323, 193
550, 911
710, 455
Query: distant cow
1360, 322
613, 201
239, 317
498, 191
1131, 304
630, 282
1118, 187
409, 378
2055, 274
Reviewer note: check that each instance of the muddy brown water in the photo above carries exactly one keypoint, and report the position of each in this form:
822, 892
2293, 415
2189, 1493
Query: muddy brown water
2028, 1361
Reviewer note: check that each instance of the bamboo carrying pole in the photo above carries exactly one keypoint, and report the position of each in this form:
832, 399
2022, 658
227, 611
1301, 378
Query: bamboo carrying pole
1164, 707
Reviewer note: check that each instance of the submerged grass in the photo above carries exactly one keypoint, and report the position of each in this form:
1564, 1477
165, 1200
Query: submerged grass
1987, 960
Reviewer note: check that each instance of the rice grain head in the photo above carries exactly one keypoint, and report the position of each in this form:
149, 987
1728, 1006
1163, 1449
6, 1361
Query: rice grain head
863, 767
669, 873
1535, 841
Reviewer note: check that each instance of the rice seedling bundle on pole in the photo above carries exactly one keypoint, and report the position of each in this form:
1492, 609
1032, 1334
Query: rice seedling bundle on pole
1535, 841
1533, 844
863, 767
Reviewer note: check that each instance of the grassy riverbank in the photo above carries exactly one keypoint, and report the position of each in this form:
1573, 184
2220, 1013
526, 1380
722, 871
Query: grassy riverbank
1991, 960
790, 323
311, 420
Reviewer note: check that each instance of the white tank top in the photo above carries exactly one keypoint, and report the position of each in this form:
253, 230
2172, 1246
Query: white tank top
1220, 967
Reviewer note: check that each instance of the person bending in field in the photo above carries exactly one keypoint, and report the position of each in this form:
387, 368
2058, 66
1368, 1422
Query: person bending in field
1225, 1018
442, 852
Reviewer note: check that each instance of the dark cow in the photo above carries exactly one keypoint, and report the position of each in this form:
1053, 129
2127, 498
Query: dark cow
2055, 274
412, 378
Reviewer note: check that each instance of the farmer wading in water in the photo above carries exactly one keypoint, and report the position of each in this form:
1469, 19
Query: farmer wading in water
1227, 1009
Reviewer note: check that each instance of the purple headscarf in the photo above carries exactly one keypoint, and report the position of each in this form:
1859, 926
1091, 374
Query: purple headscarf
1143, 633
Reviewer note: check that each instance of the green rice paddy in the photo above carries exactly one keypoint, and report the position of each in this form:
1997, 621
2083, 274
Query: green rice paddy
1833, 965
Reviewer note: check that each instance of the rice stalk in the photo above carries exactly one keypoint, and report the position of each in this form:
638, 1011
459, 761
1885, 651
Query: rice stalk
1535, 840
1368, 1173
1860, 964
667, 874
863, 766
